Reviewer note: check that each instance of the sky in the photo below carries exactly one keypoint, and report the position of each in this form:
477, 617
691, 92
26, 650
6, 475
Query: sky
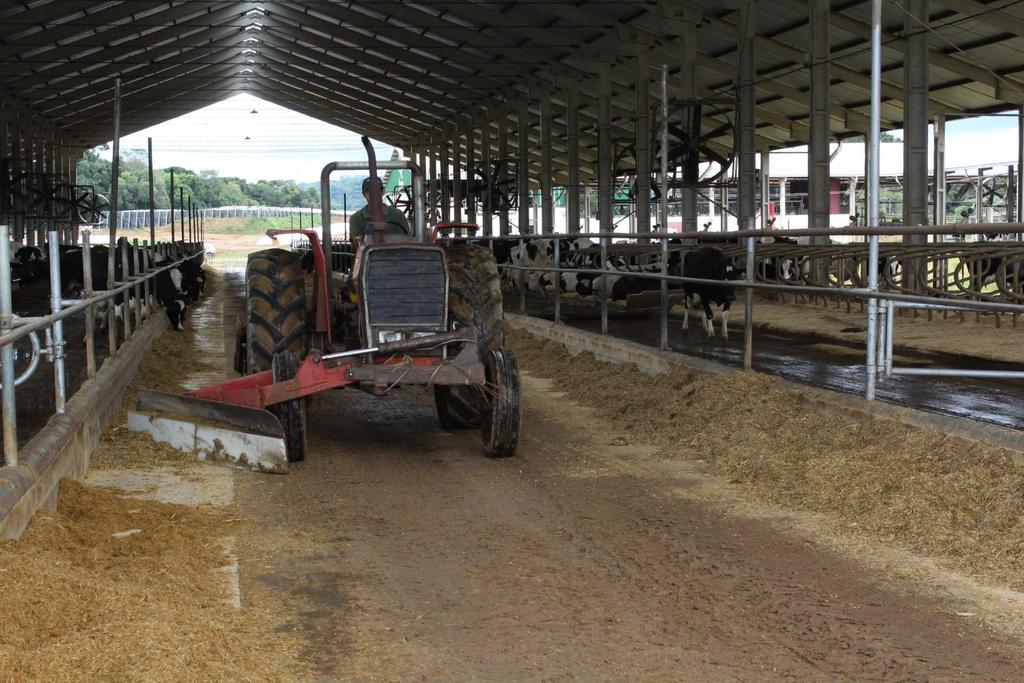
272, 143
251, 138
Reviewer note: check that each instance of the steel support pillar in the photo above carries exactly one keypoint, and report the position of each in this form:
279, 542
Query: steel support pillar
747, 205
1020, 166
915, 129
446, 185
572, 161
503, 164
939, 170
820, 185
470, 172
688, 88
643, 141
523, 121
431, 189
547, 206
747, 200
604, 149
457, 176
868, 159
485, 150
765, 192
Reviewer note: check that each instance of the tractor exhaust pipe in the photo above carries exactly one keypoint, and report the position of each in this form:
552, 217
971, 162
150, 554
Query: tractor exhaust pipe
376, 191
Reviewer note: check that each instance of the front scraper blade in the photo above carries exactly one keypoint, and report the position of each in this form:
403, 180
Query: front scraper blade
216, 432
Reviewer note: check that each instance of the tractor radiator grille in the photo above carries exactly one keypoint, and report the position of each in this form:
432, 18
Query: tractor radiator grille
406, 287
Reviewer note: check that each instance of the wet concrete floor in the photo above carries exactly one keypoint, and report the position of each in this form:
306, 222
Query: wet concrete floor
830, 364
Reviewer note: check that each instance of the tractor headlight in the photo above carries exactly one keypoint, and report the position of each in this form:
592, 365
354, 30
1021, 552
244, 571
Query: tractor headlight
385, 337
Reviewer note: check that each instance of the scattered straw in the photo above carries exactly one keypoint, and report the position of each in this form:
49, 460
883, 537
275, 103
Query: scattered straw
916, 488
81, 602
175, 356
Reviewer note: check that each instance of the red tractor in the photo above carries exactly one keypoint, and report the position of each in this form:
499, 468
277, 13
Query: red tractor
409, 313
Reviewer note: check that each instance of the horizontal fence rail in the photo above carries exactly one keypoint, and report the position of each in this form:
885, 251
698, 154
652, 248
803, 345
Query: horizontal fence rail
137, 219
948, 273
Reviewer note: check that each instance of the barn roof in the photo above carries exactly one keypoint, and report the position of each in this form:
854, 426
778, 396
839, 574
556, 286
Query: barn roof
399, 70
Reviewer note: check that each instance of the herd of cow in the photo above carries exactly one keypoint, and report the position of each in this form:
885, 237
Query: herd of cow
175, 288
621, 276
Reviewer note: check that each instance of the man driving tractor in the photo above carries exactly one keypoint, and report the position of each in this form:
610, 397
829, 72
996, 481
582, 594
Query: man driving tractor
360, 224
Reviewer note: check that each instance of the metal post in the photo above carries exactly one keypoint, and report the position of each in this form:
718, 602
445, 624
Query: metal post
90, 310
979, 205
873, 171
470, 172
181, 209
1011, 194
691, 116
522, 275
724, 213
604, 151
883, 334
558, 280
172, 204
487, 207
939, 169
643, 141
547, 223
572, 160
1020, 166
147, 287
503, 162
766, 191
748, 310
663, 207
457, 175
139, 288
446, 186
523, 121
663, 308
890, 318
59, 385
152, 201
8, 406
915, 132
126, 308
604, 285
112, 240
820, 186
747, 199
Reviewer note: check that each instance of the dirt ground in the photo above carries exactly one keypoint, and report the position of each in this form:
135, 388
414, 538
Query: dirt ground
404, 554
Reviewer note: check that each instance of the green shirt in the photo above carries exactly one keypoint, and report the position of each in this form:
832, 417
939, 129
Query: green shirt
359, 224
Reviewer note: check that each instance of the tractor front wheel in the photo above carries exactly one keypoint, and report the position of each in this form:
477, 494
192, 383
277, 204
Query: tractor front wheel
474, 302
292, 414
502, 412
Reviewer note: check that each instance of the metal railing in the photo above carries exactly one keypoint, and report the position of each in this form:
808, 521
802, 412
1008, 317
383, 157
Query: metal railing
875, 366
13, 328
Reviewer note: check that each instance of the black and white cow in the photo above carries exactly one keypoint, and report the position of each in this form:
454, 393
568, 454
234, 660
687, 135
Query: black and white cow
170, 295
708, 263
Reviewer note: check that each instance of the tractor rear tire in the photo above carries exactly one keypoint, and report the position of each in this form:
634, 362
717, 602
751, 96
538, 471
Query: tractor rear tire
292, 414
275, 307
502, 414
474, 293
474, 301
